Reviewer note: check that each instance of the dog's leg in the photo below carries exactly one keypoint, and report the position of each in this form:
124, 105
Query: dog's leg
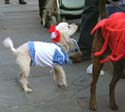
24, 64
97, 45
60, 75
95, 75
117, 72
24, 82
56, 77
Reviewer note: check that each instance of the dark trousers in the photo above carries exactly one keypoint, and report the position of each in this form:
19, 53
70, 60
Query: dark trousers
41, 6
89, 19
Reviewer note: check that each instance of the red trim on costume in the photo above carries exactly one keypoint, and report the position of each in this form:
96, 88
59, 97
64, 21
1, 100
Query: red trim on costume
55, 34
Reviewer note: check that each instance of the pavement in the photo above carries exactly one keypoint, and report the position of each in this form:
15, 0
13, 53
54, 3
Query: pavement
22, 23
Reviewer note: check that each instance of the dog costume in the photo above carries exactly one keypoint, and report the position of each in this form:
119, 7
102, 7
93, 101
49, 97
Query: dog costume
43, 53
113, 32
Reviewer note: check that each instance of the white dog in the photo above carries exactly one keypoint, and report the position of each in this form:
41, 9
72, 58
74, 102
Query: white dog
39, 53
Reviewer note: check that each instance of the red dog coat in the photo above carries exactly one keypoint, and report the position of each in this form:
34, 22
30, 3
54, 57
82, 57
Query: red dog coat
113, 32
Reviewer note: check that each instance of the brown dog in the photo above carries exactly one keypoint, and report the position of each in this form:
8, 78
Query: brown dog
102, 32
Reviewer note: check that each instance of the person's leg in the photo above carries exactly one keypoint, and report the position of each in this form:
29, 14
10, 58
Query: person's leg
89, 19
123, 72
22, 2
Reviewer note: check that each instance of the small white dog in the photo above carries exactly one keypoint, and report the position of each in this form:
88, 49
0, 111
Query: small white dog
39, 53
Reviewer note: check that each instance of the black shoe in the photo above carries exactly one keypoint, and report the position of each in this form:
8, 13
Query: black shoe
77, 57
123, 76
7, 2
22, 2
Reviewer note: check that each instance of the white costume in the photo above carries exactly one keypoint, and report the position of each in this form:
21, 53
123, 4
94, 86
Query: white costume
47, 54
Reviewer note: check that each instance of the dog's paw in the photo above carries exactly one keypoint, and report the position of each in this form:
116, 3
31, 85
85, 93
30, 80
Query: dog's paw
65, 85
93, 106
28, 90
62, 85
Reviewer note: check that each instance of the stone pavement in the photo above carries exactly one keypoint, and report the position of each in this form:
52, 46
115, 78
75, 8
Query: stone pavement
22, 23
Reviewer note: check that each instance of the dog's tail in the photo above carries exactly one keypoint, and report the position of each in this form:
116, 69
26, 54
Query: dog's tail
9, 43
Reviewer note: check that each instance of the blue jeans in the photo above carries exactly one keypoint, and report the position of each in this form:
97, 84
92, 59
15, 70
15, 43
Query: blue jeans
89, 19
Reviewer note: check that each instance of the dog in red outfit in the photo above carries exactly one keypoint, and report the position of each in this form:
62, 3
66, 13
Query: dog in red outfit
109, 33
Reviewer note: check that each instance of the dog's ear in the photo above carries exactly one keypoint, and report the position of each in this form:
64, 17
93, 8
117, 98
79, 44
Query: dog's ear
65, 41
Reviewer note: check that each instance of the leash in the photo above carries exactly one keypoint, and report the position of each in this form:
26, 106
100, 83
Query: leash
116, 5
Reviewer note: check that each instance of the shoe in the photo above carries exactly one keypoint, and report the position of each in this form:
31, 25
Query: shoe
89, 70
78, 57
22, 2
123, 76
7, 2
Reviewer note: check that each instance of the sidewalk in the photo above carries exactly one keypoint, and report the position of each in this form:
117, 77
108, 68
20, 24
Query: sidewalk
22, 23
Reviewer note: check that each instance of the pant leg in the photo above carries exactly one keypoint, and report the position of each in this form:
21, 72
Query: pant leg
89, 19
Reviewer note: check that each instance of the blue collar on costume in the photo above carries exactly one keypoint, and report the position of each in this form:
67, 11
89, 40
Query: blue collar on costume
67, 59
32, 51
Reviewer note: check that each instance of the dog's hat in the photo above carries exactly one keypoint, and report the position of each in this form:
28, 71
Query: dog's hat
55, 34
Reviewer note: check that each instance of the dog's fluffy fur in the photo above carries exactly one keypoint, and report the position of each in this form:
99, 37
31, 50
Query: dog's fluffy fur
24, 59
